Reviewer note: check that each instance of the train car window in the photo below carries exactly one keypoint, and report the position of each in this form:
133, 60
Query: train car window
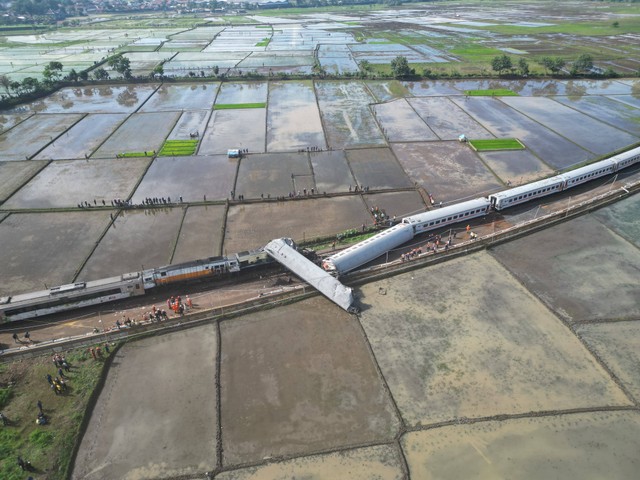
163, 274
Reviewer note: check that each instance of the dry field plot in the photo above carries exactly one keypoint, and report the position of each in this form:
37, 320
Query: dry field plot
598, 445
447, 170
250, 226
188, 177
465, 339
381, 462
142, 427
44, 250
308, 384
66, 183
572, 264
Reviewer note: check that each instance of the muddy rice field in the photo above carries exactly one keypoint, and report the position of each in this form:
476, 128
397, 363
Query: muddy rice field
478, 367
520, 358
306, 146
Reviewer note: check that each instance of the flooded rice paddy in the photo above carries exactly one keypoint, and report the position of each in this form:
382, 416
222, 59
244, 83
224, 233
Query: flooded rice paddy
305, 139
520, 360
462, 369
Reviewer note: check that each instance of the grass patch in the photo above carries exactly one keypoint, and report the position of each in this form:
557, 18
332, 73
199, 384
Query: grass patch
496, 144
263, 43
5, 396
48, 447
41, 438
178, 148
232, 106
493, 92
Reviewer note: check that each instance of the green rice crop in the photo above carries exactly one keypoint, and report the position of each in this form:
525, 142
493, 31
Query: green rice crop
178, 148
232, 106
494, 92
496, 144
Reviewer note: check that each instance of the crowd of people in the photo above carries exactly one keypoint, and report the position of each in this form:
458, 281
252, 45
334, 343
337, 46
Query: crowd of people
119, 203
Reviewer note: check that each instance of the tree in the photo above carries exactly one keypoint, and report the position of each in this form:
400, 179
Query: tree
120, 64
615, 24
366, 66
400, 67
73, 75
554, 64
52, 71
6, 83
523, 67
158, 70
584, 63
501, 63
30, 84
84, 75
100, 74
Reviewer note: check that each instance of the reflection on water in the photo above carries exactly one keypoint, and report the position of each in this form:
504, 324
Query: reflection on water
575, 91
128, 97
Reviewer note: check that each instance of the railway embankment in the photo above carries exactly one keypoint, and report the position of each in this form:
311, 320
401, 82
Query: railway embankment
283, 295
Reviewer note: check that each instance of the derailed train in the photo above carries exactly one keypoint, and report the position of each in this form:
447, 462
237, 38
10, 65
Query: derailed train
81, 294
367, 250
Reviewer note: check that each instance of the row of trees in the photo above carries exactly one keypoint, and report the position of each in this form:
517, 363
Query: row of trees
52, 73
501, 64
583, 64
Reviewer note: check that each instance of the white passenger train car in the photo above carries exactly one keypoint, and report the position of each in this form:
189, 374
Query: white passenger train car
371, 248
67, 297
626, 159
588, 173
368, 249
443, 217
525, 193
